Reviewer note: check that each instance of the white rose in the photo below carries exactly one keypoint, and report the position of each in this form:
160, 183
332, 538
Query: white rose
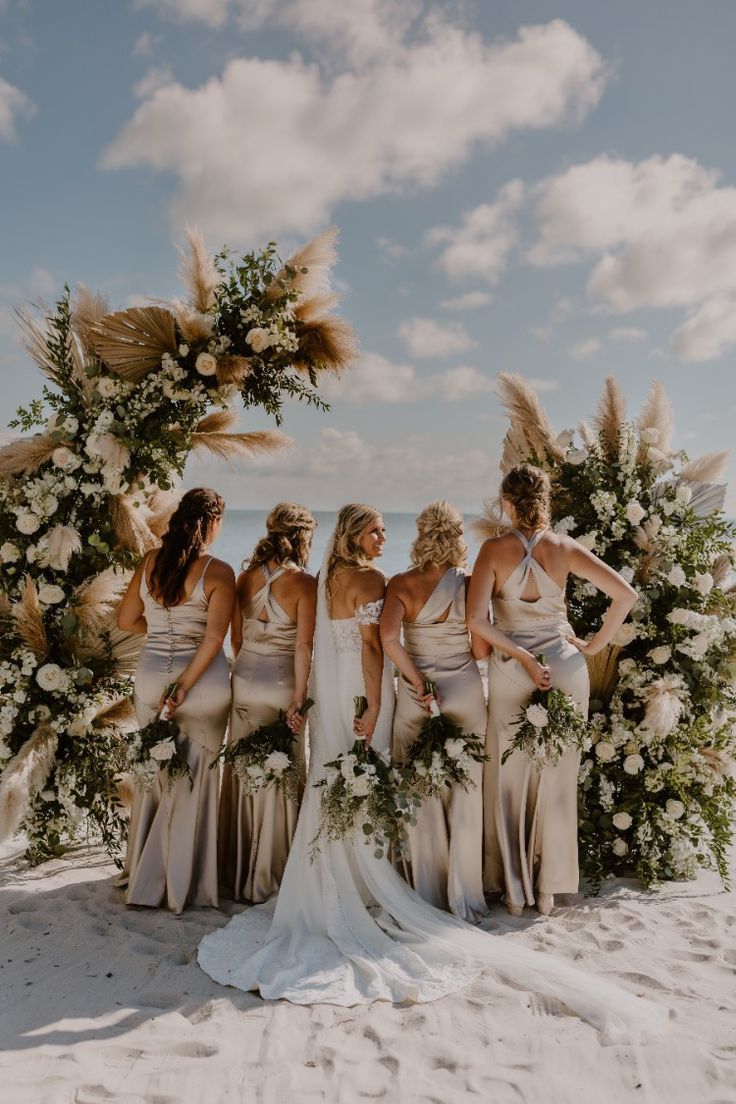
650, 436
70, 424
627, 573
576, 457
206, 364
660, 655
588, 540
255, 773
258, 339
626, 665
347, 765
27, 523
62, 456
50, 677
633, 764
454, 748
674, 809
163, 751
107, 387
538, 716
635, 512
360, 785
684, 493
622, 821
50, 594
676, 576
703, 582
9, 552
678, 616
620, 847
277, 762
626, 634
605, 751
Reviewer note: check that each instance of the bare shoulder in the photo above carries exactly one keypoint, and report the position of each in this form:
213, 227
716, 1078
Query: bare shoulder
368, 585
221, 572
303, 583
399, 584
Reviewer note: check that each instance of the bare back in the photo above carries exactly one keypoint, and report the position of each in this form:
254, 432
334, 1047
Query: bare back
196, 570
413, 588
354, 587
552, 551
287, 589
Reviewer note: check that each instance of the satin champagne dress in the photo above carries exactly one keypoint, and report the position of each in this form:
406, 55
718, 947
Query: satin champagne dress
255, 833
530, 818
172, 843
446, 846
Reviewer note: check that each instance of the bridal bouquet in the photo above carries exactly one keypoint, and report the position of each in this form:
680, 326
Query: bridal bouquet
443, 755
153, 749
550, 726
363, 789
267, 757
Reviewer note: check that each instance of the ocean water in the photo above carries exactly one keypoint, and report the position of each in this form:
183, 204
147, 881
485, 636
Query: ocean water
242, 529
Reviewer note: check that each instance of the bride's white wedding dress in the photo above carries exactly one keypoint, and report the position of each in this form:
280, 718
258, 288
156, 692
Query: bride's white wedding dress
346, 929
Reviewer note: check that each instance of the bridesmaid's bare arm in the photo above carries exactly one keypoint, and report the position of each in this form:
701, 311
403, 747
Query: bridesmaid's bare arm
220, 586
130, 611
480, 593
236, 624
369, 586
479, 648
623, 596
306, 615
394, 612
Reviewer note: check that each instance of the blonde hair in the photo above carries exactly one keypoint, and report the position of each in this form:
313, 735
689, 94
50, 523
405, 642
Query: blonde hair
440, 537
346, 551
527, 488
289, 528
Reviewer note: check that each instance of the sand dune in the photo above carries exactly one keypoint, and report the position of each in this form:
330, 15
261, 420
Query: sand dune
102, 1003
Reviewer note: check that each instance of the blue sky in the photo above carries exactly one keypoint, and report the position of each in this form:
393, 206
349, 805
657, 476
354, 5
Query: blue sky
548, 189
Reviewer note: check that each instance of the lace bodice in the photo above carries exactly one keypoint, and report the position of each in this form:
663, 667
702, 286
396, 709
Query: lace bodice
346, 630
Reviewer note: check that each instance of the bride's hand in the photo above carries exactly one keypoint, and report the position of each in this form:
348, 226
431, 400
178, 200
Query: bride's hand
585, 647
539, 673
364, 726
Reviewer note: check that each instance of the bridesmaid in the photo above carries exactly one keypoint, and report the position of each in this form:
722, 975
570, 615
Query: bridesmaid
181, 598
272, 631
531, 819
446, 846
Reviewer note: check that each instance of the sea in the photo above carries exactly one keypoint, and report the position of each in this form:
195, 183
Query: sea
242, 529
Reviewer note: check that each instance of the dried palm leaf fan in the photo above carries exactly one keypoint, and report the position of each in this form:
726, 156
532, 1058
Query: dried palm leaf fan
603, 673
132, 342
35, 338
211, 435
26, 454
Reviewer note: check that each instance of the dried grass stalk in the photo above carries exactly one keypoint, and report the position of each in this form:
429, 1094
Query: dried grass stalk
219, 421
603, 673
233, 446
721, 569
491, 522
131, 528
195, 326
24, 776
58, 546
119, 713
161, 505
25, 455
93, 599
329, 343
316, 306
720, 762
233, 369
124, 792
610, 417
515, 449
317, 257
529, 422
88, 309
132, 342
663, 706
587, 436
28, 619
656, 414
34, 339
705, 469
198, 273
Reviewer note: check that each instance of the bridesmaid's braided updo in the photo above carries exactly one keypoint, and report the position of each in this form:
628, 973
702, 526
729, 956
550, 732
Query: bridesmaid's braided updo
289, 529
440, 537
527, 488
185, 540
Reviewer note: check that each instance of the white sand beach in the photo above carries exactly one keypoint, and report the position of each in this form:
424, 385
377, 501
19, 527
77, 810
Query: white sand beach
102, 1003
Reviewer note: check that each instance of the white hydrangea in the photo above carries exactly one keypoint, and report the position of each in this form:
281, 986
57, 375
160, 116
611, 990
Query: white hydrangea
163, 751
9, 552
676, 576
703, 582
684, 493
588, 540
565, 525
626, 634
360, 785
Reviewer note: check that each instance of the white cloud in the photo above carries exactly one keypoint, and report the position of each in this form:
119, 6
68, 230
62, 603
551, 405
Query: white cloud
470, 301
540, 384
213, 13
400, 122
707, 332
155, 78
374, 379
426, 338
391, 250
463, 382
144, 45
628, 334
14, 105
480, 246
585, 349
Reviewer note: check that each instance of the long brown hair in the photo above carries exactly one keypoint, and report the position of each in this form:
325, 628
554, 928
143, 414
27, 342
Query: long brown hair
289, 529
183, 542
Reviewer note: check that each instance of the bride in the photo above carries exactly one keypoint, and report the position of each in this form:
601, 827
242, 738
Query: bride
346, 929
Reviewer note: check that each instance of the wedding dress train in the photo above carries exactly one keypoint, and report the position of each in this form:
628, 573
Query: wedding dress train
346, 929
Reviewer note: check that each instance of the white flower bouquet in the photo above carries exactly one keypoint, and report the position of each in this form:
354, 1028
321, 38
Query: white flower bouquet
549, 727
442, 755
363, 790
153, 750
268, 757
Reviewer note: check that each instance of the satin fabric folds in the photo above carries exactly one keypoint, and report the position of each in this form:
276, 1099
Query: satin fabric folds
171, 859
445, 864
255, 832
531, 843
